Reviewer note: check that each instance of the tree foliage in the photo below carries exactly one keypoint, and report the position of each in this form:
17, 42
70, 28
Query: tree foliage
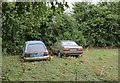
25, 21
89, 25
98, 23
64, 27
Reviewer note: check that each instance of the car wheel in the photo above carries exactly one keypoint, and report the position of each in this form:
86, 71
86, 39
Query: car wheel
77, 56
65, 55
59, 55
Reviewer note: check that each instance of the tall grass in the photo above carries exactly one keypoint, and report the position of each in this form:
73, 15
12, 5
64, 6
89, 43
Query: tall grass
0, 58
98, 64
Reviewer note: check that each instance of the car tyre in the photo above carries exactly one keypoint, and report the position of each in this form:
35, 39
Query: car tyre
77, 56
65, 55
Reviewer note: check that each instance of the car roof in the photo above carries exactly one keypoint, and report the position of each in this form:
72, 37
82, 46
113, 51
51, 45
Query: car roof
34, 42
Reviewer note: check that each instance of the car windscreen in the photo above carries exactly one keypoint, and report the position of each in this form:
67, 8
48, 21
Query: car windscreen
69, 43
35, 48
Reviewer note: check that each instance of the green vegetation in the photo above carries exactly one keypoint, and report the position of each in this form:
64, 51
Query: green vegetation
0, 52
89, 25
99, 64
99, 23
0, 41
0, 58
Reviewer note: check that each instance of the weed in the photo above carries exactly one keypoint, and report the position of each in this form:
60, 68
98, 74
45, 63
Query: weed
88, 67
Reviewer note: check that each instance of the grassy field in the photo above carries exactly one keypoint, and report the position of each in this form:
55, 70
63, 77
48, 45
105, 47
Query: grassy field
0, 59
95, 65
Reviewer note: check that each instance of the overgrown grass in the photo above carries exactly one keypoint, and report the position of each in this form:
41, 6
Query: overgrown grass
0, 59
99, 64
0, 40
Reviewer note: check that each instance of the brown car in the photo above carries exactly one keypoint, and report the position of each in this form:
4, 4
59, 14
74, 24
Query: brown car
66, 47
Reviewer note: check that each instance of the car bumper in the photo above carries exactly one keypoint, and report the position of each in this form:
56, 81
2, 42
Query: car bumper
37, 58
73, 53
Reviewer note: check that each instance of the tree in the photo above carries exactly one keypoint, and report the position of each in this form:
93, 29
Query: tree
64, 27
23, 21
98, 23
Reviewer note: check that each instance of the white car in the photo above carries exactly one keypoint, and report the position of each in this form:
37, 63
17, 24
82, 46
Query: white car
67, 47
35, 50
